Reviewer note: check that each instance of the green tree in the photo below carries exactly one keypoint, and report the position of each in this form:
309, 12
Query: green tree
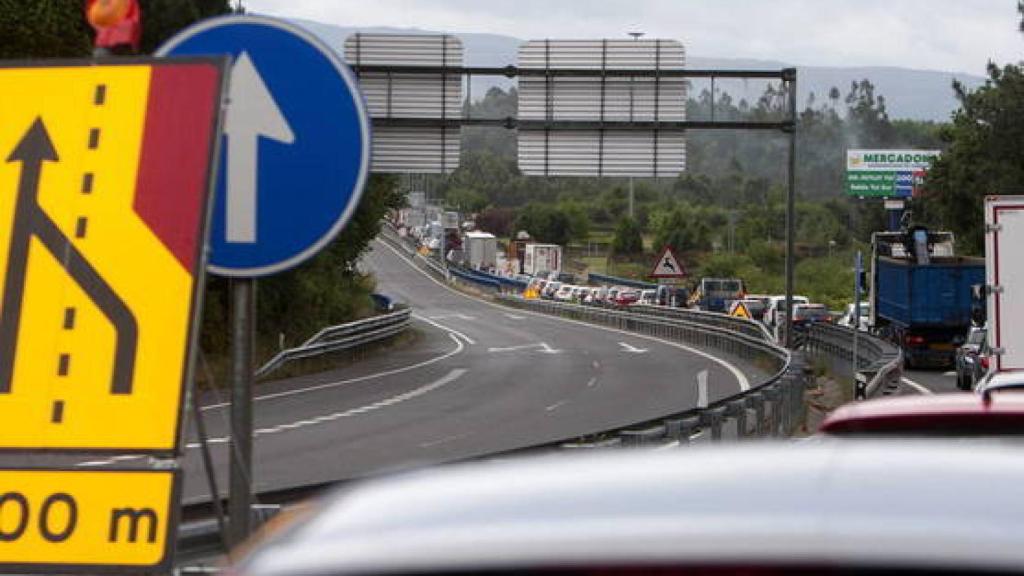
983, 156
628, 239
44, 29
545, 223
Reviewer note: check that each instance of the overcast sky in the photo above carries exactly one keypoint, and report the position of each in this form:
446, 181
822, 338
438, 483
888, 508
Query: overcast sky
953, 35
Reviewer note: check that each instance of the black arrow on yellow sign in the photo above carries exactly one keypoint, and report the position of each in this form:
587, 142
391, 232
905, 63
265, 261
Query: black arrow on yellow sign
30, 220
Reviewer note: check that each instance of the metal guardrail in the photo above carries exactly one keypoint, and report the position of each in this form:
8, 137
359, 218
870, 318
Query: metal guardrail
342, 337
879, 363
712, 319
616, 281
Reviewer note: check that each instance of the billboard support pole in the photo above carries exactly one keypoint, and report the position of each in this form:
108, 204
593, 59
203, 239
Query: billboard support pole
789, 76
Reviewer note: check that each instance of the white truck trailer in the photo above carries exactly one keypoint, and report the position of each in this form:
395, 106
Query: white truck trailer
481, 250
1004, 278
542, 259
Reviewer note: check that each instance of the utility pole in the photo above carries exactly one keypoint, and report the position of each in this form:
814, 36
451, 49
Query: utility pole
790, 78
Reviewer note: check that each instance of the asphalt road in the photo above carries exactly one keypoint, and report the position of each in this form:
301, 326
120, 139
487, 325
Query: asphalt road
480, 379
938, 381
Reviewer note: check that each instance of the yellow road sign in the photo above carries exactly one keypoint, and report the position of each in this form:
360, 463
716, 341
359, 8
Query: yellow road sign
104, 186
58, 521
739, 310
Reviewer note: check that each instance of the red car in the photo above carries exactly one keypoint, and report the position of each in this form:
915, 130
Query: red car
947, 415
627, 297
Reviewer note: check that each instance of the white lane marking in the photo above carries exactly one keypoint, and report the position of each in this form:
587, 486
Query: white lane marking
513, 348
459, 347
702, 389
445, 328
949, 373
544, 347
514, 316
596, 365
667, 446
592, 382
921, 389
556, 405
632, 349
460, 316
91, 463
448, 379
741, 378
444, 440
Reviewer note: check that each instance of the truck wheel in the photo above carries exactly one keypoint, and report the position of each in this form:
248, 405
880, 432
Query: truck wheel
961, 382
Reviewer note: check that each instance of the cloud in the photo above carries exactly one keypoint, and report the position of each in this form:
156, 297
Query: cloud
949, 35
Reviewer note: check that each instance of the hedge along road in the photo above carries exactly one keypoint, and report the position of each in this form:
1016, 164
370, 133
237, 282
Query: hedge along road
481, 379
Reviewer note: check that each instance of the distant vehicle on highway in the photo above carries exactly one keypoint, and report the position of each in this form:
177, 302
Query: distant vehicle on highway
713, 293
649, 297
550, 289
564, 292
847, 319
805, 315
755, 307
777, 309
997, 382
849, 506
920, 292
627, 297
941, 415
972, 359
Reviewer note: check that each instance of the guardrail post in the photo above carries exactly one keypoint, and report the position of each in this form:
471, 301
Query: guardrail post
682, 428
773, 394
712, 418
737, 409
755, 401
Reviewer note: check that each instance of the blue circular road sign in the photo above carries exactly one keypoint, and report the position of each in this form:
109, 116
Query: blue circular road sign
296, 147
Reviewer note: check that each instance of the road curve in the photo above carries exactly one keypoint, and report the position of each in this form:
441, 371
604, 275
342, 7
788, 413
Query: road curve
481, 379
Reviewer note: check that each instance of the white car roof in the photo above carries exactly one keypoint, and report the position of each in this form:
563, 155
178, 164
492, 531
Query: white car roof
828, 503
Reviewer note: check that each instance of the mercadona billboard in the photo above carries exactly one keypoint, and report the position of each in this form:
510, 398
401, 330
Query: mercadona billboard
886, 173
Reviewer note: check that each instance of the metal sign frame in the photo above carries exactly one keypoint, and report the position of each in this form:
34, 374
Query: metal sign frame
200, 255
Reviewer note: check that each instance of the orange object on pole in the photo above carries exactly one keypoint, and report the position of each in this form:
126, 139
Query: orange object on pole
117, 22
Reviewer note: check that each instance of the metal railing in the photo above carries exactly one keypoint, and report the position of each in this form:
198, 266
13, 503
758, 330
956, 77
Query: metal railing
712, 319
342, 337
879, 363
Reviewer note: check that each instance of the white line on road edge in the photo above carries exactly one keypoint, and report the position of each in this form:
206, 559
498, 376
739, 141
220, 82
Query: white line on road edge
514, 316
556, 405
592, 382
460, 316
921, 389
459, 347
741, 378
445, 328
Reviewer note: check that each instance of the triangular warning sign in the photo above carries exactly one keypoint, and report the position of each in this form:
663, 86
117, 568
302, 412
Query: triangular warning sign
667, 266
739, 310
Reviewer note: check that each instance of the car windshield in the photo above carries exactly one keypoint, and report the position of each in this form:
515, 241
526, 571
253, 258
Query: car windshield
255, 250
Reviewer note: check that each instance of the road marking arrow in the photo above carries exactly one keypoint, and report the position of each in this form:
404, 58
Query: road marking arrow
632, 349
251, 114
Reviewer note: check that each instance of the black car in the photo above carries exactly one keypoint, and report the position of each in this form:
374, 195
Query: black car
972, 358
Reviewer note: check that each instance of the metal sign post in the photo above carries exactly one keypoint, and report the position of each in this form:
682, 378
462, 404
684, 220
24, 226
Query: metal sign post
789, 76
858, 271
296, 127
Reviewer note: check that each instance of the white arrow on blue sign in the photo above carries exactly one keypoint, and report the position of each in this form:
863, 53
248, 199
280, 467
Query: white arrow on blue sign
296, 149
